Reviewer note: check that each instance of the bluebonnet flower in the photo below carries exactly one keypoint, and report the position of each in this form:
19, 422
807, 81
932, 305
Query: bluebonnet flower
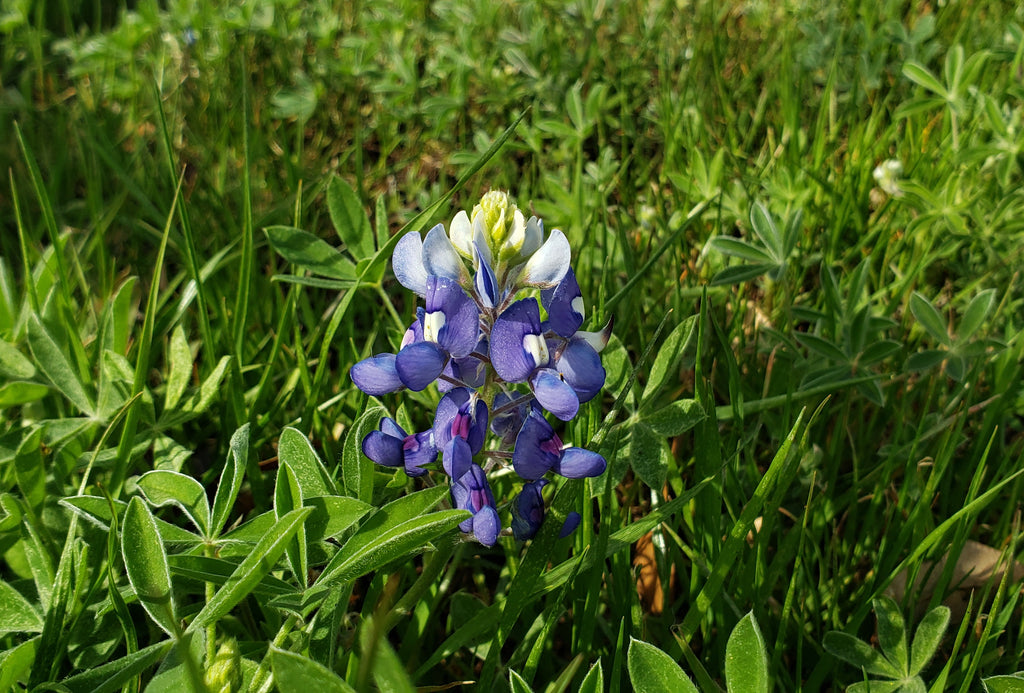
497, 362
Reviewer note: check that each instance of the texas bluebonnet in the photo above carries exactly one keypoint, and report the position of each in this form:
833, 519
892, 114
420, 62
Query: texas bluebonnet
501, 363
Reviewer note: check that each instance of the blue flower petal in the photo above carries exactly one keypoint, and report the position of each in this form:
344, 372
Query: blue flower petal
516, 342
528, 510
456, 458
383, 449
407, 261
461, 329
577, 463
377, 375
486, 526
537, 448
554, 394
486, 282
440, 257
419, 364
581, 367
564, 305
419, 450
572, 521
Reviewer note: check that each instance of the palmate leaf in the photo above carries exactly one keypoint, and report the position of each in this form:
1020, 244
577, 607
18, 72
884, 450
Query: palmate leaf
295, 450
892, 633
164, 487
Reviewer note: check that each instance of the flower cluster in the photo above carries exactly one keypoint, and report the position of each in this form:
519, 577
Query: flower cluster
499, 365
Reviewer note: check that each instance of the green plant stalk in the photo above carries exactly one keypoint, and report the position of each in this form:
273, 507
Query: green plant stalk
262, 680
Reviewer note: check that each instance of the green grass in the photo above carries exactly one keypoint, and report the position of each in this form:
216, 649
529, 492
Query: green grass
796, 349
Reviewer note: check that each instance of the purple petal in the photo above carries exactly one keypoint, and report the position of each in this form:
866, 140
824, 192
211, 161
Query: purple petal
461, 330
390, 427
528, 510
486, 282
572, 521
516, 341
456, 458
460, 499
581, 367
407, 262
486, 526
554, 394
440, 257
536, 450
383, 449
419, 450
564, 305
577, 463
377, 375
549, 264
447, 410
419, 364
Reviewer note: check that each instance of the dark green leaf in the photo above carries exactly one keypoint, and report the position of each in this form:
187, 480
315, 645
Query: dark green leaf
892, 633
310, 252
180, 367
680, 342
332, 515
736, 247
975, 314
1010, 683
859, 654
926, 360
19, 392
930, 318
822, 347
54, 363
356, 468
111, 676
349, 218
16, 662
593, 682
739, 274
13, 364
517, 683
288, 497
218, 571
919, 74
676, 418
764, 226
646, 455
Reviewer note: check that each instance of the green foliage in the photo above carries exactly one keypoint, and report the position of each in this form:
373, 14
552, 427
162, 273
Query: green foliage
194, 241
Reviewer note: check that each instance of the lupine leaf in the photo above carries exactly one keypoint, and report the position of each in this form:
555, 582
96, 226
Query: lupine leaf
349, 218
295, 450
892, 633
180, 370
1009, 683
593, 682
15, 663
676, 418
309, 252
859, 654
251, 570
680, 342
145, 561
746, 659
163, 487
294, 673
356, 468
17, 614
112, 675
927, 638
288, 497
930, 318
653, 671
55, 365
646, 456
230, 479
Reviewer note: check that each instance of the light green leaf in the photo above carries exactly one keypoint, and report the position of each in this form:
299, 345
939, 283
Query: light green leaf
294, 673
349, 218
332, 515
288, 497
653, 671
356, 468
16, 662
29, 469
1010, 683
252, 569
180, 357
892, 633
17, 614
13, 364
230, 479
676, 418
310, 252
219, 570
737, 247
55, 365
746, 658
94, 509
593, 682
295, 450
174, 674
145, 561
517, 683
162, 487
919, 74
18, 392
740, 274
927, 638
764, 226
199, 401
876, 687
